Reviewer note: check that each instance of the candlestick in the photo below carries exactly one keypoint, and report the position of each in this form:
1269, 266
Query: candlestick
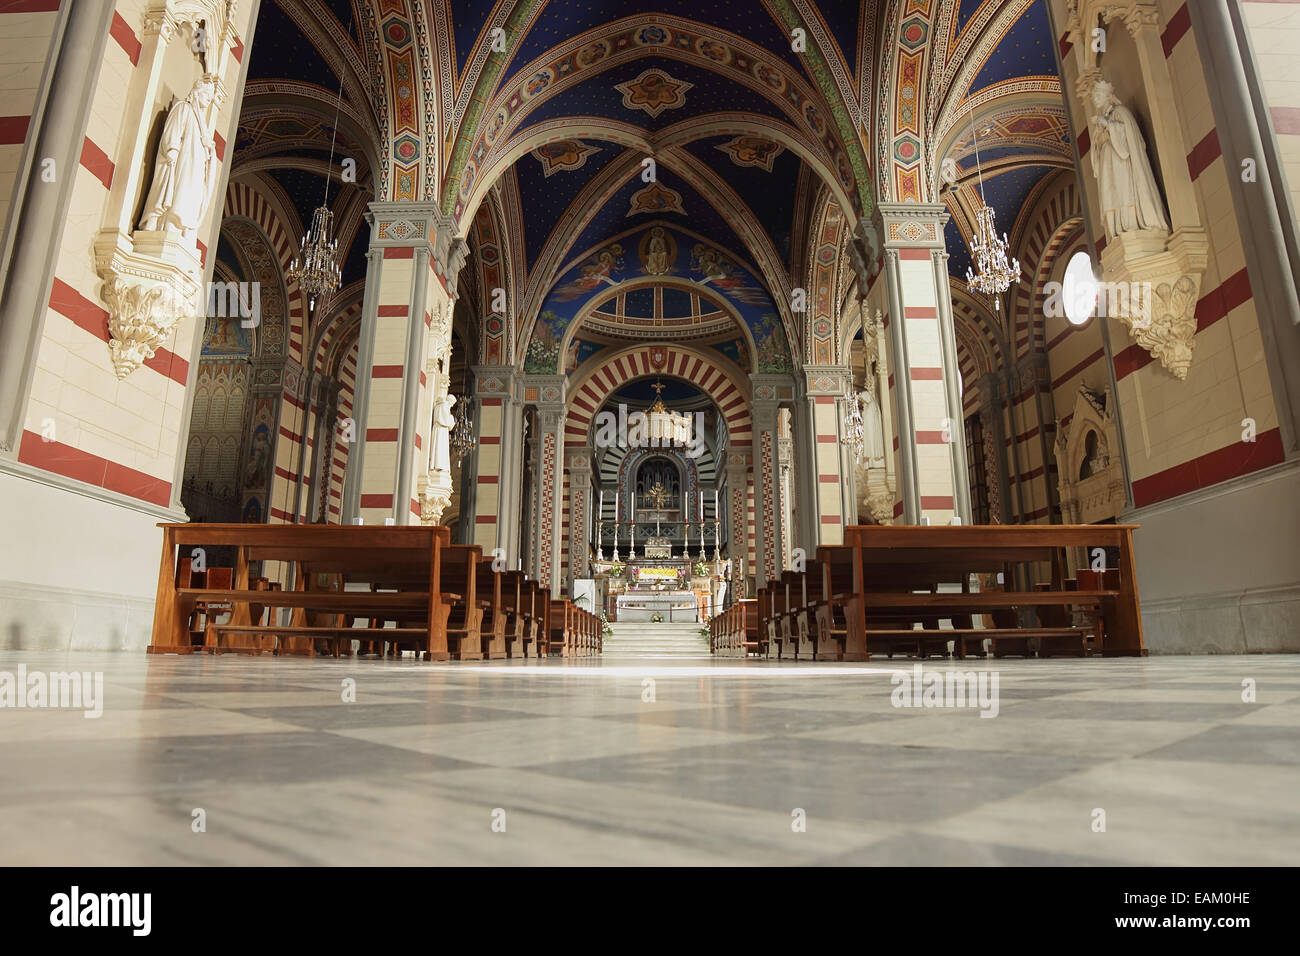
616, 506
701, 508
616, 537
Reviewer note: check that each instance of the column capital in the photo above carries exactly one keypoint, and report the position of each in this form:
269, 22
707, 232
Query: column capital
419, 225
542, 390
496, 381
766, 388
579, 460
836, 380
911, 225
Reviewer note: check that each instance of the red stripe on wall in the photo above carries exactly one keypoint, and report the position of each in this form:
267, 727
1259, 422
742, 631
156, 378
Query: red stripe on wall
96, 161
13, 130
237, 51
376, 501
920, 312
219, 143
1084, 142
1203, 153
391, 311
79, 465
68, 302
1286, 120
29, 6
386, 371
1100, 353
381, 434
914, 254
399, 252
488, 479
1179, 24
1239, 458
926, 374
930, 438
121, 31
936, 501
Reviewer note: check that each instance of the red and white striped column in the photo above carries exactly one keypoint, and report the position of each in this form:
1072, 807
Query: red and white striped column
932, 441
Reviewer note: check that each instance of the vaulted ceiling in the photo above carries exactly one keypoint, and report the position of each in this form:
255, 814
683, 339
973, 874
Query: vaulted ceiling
749, 137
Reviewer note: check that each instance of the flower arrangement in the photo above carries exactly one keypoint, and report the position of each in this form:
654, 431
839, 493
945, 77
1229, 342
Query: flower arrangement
656, 618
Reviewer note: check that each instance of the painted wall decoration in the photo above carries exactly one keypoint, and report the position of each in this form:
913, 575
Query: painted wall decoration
603, 268
654, 91
565, 155
752, 151
656, 198
660, 250
543, 355
773, 349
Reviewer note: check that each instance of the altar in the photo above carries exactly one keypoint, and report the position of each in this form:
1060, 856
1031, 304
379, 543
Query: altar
674, 607
658, 585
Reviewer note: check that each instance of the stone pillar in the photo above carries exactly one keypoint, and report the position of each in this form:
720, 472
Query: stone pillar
578, 461
767, 504
500, 462
737, 508
403, 356
932, 441
823, 391
547, 391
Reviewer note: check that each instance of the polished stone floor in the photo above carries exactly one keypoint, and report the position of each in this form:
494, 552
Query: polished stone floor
703, 762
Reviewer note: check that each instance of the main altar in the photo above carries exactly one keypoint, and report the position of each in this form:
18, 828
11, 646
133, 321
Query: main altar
658, 586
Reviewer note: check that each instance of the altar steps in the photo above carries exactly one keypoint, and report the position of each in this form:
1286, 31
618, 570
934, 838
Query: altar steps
655, 641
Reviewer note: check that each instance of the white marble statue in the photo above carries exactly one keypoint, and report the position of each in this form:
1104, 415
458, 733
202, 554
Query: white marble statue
1126, 185
873, 438
443, 421
186, 168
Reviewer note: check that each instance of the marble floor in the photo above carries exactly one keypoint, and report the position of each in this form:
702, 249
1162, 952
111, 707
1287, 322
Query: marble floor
702, 762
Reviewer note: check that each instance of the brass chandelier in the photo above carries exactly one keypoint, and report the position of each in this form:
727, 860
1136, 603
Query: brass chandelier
461, 439
996, 271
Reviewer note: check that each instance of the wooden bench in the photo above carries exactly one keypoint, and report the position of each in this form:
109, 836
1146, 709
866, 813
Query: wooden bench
899, 573
399, 567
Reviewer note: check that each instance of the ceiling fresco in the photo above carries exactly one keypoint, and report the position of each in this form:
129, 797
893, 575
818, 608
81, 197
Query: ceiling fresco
742, 127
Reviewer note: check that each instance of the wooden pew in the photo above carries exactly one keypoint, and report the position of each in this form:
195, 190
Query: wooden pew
516, 603
541, 616
460, 564
496, 619
398, 565
841, 635
561, 630
892, 564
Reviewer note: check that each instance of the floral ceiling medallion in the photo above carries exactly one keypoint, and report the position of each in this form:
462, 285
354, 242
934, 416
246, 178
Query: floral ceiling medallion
654, 91
563, 156
656, 198
752, 151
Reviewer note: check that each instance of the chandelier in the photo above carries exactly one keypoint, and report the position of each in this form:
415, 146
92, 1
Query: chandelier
315, 269
461, 438
995, 271
462, 433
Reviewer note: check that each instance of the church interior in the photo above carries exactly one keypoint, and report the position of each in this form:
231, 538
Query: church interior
645, 415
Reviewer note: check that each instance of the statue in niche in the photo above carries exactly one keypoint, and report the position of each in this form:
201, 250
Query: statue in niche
443, 422
873, 439
186, 168
1130, 201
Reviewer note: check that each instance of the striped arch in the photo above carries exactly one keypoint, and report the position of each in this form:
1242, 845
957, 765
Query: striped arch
248, 202
714, 375
1052, 221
